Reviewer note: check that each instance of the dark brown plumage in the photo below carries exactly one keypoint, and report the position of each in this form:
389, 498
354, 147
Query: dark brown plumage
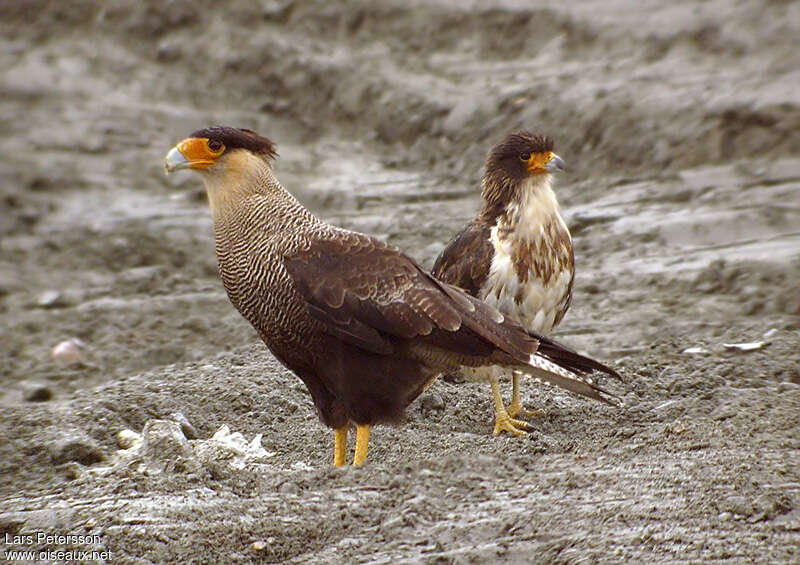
364, 327
516, 254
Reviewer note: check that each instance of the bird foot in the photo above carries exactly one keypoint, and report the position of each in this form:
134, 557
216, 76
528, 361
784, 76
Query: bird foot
505, 423
517, 410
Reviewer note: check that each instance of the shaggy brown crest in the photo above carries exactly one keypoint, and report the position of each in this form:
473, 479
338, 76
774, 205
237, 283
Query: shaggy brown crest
239, 138
517, 143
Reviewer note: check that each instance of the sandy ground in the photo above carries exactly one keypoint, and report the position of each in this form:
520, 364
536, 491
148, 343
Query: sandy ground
680, 123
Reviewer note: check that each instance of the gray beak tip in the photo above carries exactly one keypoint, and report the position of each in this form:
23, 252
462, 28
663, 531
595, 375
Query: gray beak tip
174, 161
556, 164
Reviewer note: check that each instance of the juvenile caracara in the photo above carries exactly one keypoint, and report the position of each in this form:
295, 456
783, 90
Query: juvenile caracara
516, 254
364, 327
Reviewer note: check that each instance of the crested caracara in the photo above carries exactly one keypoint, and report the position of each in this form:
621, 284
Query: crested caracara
516, 254
363, 326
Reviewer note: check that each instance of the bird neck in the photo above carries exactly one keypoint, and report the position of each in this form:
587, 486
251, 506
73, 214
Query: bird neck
526, 207
245, 187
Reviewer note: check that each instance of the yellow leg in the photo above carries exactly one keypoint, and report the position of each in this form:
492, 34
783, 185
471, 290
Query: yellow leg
516, 408
340, 445
362, 444
502, 421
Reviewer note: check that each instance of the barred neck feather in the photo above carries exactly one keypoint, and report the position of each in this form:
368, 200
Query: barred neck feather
245, 191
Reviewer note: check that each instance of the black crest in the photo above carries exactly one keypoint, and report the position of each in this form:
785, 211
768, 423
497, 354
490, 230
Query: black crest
239, 138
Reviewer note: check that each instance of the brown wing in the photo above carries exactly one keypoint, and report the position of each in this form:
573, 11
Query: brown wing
466, 260
366, 293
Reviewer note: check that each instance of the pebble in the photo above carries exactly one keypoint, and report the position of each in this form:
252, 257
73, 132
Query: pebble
80, 449
37, 392
258, 545
69, 351
163, 440
432, 401
186, 427
72, 470
127, 439
52, 299
289, 488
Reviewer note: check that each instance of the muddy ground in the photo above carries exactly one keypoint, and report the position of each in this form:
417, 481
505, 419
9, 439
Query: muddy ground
680, 123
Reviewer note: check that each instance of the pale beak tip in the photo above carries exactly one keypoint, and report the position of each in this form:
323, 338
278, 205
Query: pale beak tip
556, 164
175, 161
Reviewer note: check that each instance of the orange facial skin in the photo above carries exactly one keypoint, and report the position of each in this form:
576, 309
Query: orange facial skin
538, 162
198, 152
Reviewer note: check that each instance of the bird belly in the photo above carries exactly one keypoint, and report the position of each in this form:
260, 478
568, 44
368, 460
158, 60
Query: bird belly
535, 303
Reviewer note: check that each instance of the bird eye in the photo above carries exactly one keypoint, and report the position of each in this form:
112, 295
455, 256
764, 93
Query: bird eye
524, 156
215, 145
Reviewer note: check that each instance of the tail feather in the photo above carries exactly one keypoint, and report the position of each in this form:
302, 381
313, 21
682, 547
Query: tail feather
546, 371
569, 359
531, 353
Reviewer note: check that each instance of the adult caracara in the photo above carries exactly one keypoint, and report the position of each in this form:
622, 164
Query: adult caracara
516, 254
364, 327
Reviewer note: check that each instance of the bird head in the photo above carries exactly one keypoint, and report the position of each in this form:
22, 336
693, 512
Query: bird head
523, 154
520, 157
214, 149
232, 162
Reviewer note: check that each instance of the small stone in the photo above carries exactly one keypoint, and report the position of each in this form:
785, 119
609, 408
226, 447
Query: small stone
37, 392
725, 516
432, 401
72, 470
258, 545
455, 376
675, 428
591, 288
52, 299
195, 324
127, 439
168, 52
81, 449
289, 488
69, 351
186, 427
276, 10
164, 441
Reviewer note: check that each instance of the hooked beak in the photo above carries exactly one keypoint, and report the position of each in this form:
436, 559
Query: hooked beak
556, 164
191, 153
175, 161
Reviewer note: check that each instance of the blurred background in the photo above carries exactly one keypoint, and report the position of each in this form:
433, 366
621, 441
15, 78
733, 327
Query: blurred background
679, 122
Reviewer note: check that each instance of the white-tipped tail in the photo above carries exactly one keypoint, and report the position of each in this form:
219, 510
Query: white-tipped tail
548, 372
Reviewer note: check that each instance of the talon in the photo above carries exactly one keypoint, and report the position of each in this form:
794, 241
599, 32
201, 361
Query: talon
519, 411
504, 423
516, 409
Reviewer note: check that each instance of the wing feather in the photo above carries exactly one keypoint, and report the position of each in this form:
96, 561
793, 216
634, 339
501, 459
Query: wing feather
369, 294
466, 260
355, 277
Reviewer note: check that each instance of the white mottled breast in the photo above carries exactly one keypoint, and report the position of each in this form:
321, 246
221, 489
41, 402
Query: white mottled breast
536, 303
